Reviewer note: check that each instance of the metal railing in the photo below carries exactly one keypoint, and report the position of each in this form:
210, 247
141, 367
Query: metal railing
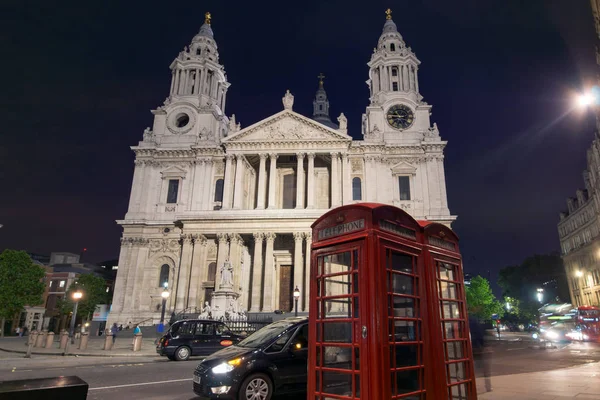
250, 325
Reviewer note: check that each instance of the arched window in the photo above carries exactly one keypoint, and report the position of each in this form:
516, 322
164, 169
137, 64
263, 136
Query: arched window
392, 47
212, 272
198, 51
356, 189
219, 190
163, 281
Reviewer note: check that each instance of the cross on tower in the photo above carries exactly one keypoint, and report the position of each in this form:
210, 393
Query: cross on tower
321, 76
207, 18
388, 14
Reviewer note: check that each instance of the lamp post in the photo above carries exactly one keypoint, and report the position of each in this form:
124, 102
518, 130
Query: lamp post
540, 294
76, 297
165, 296
296, 297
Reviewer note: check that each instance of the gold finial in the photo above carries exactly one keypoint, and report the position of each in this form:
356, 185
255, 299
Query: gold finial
207, 18
388, 14
321, 76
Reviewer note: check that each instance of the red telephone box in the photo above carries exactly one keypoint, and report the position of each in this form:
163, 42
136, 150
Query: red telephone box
387, 308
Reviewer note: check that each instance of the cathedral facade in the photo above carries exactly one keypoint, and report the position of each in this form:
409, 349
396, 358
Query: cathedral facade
221, 214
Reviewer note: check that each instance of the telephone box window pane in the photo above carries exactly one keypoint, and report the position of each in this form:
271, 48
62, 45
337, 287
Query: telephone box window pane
407, 355
404, 331
402, 307
356, 309
456, 372
172, 192
338, 308
459, 392
357, 385
447, 272
318, 356
450, 310
453, 330
401, 262
355, 259
402, 284
337, 285
337, 263
448, 290
337, 383
454, 350
337, 357
407, 381
340, 332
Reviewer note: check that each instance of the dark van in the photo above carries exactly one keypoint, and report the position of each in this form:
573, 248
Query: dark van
195, 337
271, 361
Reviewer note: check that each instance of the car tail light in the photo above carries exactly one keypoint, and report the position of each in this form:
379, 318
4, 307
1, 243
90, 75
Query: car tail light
166, 343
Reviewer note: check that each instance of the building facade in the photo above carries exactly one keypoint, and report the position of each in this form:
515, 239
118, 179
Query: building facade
221, 215
579, 225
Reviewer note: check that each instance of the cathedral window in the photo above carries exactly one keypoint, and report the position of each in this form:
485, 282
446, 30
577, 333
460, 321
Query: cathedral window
198, 51
172, 191
163, 280
219, 190
392, 47
394, 71
320, 107
289, 191
356, 189
395, 86
404, 186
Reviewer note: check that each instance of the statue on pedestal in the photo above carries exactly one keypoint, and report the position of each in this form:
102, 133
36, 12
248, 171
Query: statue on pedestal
206, 311
227, 274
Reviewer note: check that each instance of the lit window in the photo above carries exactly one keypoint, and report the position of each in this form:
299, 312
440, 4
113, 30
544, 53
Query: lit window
356, 189
61, 284
404, 186
172, 192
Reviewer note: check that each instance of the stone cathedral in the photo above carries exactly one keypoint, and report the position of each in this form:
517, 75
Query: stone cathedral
222, 214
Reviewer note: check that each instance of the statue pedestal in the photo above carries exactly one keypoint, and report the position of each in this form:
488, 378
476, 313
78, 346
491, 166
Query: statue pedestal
221, 301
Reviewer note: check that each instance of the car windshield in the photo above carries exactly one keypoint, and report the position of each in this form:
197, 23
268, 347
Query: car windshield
265, 335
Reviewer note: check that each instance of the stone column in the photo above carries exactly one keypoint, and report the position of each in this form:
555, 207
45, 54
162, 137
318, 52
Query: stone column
198, 267
308, 237
298, 264
257, 269
173, 74
416, 80
222, 255
310, 186
227, 182
262, 181
137, 186
200, 177
335, 180
405, 79
346, 180
238, 188
182, 278
208, 185
268, 290
300, 181
176, 86
197, 81
272, 179
442, 183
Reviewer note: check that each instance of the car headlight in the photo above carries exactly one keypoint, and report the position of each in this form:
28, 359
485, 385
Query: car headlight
223, 368
535, 335
552, 335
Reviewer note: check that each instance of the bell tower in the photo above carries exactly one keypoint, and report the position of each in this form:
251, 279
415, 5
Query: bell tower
396, 112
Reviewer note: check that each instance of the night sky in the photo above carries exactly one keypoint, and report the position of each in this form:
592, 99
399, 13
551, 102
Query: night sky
79, 80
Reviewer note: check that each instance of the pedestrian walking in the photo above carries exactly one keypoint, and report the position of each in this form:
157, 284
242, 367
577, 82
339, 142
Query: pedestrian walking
481, 352
18, 331
114, 330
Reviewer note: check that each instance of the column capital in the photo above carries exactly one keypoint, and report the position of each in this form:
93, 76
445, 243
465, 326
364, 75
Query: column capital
270, 236
222, 237
298, 236
334, 154
300, 155
258, 236
229, 157
236, 238
307, 235
202, 240
310, 155
273, 156
239, 157
263, 156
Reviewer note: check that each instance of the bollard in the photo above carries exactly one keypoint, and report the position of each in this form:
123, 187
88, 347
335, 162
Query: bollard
108, 340
137, 342
64, 338
32, 338
49, 340
83, 341
40, 340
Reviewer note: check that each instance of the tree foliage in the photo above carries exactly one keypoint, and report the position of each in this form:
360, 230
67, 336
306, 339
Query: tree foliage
481, 302
21, 282
94, 293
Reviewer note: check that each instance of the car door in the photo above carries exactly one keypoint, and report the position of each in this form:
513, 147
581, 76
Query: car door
297, 366
286, 365
204, 339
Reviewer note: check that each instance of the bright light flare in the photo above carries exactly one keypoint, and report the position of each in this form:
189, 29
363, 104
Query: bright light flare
585, 100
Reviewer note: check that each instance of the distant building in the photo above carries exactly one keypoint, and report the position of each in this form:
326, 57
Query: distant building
579, 225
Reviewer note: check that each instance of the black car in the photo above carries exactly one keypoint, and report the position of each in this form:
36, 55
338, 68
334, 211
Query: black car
273, 360
195, 337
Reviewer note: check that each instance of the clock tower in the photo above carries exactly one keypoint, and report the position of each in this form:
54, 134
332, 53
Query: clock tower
396, 113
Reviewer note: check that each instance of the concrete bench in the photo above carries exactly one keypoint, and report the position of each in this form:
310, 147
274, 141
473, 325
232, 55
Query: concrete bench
62, 387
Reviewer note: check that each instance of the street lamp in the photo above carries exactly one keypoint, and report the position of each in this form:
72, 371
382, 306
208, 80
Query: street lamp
76, 297
165, 296
540, 294
296, 297
579, 274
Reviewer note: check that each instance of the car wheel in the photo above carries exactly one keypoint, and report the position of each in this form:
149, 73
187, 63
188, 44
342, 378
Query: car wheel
172, 358
183, 353
256, 387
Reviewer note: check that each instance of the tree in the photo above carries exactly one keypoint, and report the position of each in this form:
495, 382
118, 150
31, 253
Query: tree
21, 283
94, 293
481, 302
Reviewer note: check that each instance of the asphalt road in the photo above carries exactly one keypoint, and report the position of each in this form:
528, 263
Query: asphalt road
158, 378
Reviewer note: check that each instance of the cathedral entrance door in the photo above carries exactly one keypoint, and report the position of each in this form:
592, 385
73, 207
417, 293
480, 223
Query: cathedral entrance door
285, 288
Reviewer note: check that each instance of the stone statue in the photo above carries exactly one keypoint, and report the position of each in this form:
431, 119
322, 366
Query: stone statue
288, 100
206, 311
232, 124
343, 122
148, 134
227, 274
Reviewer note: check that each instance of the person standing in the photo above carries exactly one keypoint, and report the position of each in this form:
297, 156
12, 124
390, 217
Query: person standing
114, 329
481, 352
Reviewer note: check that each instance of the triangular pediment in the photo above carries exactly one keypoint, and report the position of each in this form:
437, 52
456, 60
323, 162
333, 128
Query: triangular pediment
404, 168
173, 171
286, 126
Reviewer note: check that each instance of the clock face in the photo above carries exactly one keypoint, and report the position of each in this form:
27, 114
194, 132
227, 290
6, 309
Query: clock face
400, 116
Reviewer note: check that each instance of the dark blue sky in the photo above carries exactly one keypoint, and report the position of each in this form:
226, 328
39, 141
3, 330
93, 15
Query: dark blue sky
79, 79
